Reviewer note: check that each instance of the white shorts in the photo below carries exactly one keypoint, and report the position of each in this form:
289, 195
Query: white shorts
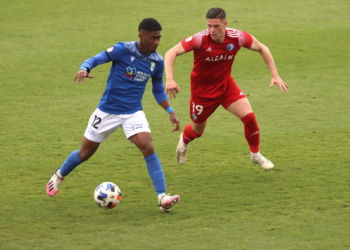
102, 124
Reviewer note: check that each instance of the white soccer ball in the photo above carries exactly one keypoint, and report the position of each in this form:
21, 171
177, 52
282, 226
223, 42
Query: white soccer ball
107, 195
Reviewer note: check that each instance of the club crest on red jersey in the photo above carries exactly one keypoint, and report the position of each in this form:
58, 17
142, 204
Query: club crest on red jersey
230, 47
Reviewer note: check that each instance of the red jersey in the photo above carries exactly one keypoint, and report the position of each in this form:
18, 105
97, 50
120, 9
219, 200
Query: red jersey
213, 61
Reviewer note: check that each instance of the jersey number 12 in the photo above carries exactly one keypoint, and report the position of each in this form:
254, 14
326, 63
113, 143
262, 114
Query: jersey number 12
96, 121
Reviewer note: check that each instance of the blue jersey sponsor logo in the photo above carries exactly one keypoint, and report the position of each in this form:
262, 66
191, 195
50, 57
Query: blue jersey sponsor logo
130, 72
230, 47
137, 75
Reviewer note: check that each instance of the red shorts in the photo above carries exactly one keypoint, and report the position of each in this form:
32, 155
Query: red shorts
201, 108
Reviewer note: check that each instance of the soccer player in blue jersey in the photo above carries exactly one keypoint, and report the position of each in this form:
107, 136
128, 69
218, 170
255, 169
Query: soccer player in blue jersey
133, 63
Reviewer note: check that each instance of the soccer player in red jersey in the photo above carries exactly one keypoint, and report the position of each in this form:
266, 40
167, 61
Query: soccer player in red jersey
214, 50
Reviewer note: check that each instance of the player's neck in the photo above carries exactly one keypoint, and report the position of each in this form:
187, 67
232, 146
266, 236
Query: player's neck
221, 40
143, 50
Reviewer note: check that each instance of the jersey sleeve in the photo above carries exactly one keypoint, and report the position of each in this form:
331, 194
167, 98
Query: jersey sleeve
245, 39
114, 52
111, 54
94, 61
192, 43
157, 83
158, 75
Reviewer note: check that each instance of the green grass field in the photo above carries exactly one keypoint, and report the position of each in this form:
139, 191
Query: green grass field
226, 202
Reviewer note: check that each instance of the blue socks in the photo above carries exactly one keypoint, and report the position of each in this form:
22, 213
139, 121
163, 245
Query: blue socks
155, 170
72, 161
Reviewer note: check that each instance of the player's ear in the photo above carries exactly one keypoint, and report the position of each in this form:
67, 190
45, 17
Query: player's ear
142, 34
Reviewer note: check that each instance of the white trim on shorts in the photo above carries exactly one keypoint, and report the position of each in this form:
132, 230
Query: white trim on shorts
102, 124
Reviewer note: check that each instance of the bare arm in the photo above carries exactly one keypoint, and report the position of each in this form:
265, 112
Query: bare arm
170, 56
173, 118
267, 57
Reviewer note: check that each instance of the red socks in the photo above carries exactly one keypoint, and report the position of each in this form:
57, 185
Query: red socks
251, 131
189, 134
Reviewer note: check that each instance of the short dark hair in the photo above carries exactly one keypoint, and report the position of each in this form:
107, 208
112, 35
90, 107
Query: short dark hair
216, 13
150, 24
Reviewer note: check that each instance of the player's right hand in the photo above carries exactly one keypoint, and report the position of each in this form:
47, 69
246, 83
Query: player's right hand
172, 88
80, 76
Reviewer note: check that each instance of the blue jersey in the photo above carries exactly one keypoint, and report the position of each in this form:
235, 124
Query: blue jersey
128, 77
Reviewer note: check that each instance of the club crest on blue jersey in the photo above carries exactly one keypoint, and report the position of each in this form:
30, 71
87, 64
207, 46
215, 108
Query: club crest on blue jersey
152, 65
130, 71
230, 47
194, 117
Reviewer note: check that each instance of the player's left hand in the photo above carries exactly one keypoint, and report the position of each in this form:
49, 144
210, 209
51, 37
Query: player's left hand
175, 121
281, 84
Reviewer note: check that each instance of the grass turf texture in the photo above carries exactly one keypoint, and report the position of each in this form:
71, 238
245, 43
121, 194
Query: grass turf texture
226, 202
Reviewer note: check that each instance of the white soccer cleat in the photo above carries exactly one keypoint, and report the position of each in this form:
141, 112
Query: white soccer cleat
181, 151
262, 162
53, 184
167, 202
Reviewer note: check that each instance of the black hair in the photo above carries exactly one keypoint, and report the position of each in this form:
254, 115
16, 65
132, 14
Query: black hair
216, 13
150, 24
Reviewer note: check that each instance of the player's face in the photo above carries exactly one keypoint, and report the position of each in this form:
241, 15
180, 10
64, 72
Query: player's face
149, 41
216, 29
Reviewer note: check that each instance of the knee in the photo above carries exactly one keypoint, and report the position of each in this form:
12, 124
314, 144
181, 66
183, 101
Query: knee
147, 149
249, 119
84, 155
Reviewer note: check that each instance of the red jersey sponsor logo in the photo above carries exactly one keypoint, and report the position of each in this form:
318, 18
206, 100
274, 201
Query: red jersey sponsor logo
219, 58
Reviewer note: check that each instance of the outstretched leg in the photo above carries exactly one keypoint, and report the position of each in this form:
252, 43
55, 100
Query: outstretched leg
88, 148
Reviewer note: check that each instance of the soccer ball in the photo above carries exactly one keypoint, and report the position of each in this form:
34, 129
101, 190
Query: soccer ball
107, 195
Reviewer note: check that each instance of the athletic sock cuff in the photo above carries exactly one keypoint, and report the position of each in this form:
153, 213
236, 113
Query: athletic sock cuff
151, 157
250, 115
77, 158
